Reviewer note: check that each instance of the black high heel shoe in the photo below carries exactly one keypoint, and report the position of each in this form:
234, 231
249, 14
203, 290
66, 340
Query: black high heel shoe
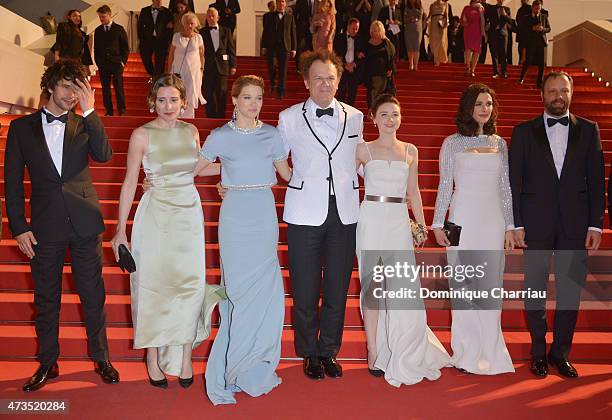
185, 382
376, 372
158, 383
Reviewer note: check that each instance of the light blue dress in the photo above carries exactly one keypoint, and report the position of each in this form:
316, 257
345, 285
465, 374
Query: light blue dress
246, 351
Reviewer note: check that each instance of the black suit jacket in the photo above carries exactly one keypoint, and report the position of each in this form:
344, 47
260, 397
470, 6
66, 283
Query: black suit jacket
384, 17
340, 47
227, 19
111, 47
146, 27
533, 38
542, 200
494, 20
275, 30
55, 199
71, 45
302, 13
214, 60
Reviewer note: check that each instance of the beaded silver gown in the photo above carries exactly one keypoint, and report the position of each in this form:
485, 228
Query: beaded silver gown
481, 203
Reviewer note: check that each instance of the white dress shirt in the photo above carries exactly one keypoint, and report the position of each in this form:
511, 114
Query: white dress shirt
214, 35
54, 135
558, 136
350, 49
325, 127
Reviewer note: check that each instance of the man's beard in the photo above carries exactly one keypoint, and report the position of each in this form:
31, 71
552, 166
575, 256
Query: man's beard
554, 110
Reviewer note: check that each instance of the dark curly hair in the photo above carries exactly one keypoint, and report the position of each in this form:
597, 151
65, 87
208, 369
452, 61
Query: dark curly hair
465, 121
63, 69
326, 56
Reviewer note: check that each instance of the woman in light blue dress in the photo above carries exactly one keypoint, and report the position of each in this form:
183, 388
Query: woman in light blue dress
246, 350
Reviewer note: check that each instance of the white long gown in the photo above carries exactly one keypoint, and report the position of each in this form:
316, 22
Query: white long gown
186, 62
406, 349
482, 205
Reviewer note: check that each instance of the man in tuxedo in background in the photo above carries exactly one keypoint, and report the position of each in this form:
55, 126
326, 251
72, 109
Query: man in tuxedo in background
219, 63
154, 36
228, 9
521, 28
391, 17
111, 52
350, 48
499, 24
55, 145
278, 42
535, 41
557, 181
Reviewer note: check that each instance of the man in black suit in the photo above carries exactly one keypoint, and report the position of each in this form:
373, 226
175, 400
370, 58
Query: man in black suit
111, 52
154, 36
535, 41
220, 62
228, 9
557, 180
499, 23
303, 11
55, 145
391, 18
350, 47
278, 42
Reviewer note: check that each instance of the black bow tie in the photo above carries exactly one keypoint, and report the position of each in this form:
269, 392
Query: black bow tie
552, 121
326, 111
155, 8
212, 28
350, 36
50, 117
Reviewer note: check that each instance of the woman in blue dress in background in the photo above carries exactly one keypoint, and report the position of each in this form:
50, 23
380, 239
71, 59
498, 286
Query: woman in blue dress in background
246, 351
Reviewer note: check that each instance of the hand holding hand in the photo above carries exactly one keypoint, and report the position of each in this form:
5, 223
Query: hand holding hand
519, 238
26, 242
509, 241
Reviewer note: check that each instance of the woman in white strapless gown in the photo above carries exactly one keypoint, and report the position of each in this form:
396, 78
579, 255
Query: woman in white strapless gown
400, 344
476, 161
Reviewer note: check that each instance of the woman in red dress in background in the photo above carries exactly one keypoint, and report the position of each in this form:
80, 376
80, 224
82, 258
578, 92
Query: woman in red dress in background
472, 19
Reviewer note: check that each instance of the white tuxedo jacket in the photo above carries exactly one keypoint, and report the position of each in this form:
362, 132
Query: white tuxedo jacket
317, 169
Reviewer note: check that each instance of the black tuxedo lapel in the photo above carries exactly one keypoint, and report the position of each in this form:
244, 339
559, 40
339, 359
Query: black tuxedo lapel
572, 142
40, 140
71, 127
539, 133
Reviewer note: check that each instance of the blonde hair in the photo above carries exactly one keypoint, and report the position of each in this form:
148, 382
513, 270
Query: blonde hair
332, 7
190, 15
378, 24
244, 81
167, 80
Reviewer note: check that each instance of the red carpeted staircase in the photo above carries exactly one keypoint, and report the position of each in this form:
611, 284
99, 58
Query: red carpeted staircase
429, 100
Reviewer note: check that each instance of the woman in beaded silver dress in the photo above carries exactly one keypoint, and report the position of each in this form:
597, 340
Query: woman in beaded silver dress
476, 160
246, 350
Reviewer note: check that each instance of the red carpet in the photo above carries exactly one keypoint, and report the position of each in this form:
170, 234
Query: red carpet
429, 101
356, 396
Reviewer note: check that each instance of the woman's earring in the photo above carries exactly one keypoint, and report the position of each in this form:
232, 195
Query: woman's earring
235, 114
151, 110
375, 124
182, 110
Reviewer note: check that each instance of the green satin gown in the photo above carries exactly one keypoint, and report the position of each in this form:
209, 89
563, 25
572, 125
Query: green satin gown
171, 301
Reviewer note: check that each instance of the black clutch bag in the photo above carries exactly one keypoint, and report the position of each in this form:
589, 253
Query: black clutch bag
126, 262
452, 232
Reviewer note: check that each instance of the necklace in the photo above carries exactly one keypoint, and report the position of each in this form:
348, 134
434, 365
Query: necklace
241, 130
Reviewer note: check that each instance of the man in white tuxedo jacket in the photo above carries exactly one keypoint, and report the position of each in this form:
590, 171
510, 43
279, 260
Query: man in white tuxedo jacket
321, 209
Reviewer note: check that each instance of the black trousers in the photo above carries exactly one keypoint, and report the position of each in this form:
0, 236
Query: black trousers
347, 90
319, 333
483, 51
534, 56
156, 48
282, 59
47, 266
215, 92
114, 72
498, 44
570, 268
